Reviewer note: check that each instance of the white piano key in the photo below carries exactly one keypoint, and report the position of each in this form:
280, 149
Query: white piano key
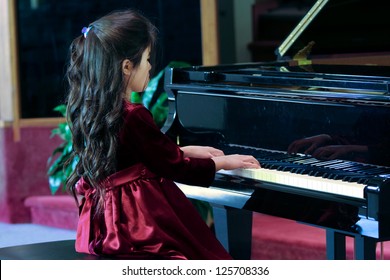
303, 181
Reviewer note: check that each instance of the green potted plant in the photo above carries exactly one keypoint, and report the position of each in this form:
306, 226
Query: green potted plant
58, 171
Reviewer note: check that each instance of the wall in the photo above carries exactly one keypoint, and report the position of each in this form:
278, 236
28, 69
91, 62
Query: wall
235, 30
243, 29
23, 166
25, 145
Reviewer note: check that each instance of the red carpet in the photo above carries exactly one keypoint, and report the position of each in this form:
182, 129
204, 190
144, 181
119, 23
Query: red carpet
281, 239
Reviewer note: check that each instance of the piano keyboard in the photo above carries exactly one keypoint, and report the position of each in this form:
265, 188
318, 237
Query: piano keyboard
301, 181
338, 177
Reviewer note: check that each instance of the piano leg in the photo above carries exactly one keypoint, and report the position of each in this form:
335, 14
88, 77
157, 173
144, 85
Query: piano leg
365, 247
335, 245
233, 228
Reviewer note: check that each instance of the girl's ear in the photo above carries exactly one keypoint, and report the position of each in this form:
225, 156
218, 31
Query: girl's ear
127, 67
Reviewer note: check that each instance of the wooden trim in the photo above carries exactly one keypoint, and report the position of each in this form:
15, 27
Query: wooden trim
210, 34
41, 122
49, 122
5, 70
14, 68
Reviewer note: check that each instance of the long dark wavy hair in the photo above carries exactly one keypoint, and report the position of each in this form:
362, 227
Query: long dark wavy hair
97, 90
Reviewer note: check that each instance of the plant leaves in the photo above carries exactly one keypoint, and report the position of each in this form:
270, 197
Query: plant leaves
151, 89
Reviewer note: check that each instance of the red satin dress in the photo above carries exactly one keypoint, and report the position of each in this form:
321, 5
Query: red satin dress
146, 216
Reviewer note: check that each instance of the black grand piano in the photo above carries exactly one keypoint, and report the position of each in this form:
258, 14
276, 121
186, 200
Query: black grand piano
319, 123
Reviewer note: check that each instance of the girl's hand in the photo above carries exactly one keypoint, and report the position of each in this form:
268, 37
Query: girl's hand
230, 162
201, 152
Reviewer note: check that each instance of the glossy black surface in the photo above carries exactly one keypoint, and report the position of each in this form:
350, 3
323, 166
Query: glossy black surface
54, 250
277, 107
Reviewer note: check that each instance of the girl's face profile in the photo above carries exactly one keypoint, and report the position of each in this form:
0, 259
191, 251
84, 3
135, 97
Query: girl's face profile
139, 77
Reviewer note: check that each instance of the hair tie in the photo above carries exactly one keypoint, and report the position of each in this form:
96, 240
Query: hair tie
85, 31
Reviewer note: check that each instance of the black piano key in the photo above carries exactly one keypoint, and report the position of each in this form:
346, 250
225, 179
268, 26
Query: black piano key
363, 181
304, 164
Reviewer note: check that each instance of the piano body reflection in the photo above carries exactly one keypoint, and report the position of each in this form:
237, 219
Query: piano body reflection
321, 133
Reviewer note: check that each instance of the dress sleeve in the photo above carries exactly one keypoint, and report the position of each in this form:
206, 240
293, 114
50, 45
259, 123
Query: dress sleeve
161, 155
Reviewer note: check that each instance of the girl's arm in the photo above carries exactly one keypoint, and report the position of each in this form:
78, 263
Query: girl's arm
201, 151
221, 161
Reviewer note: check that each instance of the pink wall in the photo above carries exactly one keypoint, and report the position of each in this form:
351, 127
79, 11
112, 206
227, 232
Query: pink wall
23, 167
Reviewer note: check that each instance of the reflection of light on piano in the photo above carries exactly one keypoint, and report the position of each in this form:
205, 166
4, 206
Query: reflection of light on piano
338, 187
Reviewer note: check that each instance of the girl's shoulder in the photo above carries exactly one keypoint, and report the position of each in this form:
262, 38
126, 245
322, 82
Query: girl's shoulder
137, 110
131, 107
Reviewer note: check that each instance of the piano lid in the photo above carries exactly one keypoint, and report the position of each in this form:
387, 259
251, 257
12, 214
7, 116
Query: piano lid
339, 27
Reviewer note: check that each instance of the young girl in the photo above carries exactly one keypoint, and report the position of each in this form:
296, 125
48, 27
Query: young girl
126, 167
